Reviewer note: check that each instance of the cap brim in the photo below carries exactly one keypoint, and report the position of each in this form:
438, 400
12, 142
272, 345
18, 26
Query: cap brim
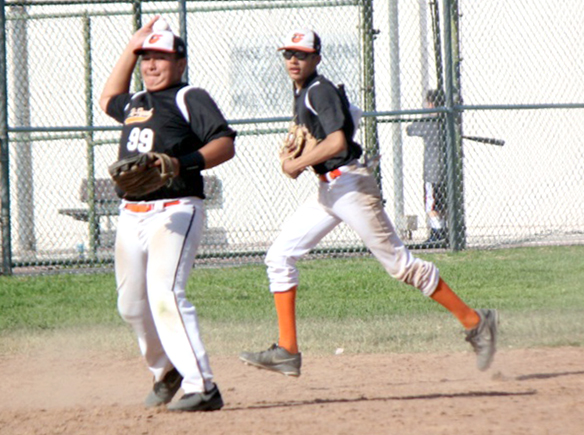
144, 50
296, 48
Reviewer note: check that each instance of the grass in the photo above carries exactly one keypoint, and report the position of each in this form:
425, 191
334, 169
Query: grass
342, 303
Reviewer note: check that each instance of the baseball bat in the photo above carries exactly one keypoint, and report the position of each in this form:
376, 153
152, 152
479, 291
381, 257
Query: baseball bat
490, 141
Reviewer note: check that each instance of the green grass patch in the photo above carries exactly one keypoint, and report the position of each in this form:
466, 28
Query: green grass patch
348, 303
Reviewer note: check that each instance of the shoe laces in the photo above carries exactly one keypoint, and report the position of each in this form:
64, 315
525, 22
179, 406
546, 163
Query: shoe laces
471, 337
271, 349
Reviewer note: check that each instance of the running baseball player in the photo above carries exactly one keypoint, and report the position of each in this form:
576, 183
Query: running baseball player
158, 233
434, 170
347, 192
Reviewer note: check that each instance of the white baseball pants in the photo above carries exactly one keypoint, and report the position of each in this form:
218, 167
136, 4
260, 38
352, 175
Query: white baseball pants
353, 198
154, 255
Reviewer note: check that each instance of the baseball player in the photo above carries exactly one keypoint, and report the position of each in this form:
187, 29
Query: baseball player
434, 170
158, 234
347, 192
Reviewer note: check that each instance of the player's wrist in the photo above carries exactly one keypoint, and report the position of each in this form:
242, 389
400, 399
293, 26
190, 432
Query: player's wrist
192, 162
175, 166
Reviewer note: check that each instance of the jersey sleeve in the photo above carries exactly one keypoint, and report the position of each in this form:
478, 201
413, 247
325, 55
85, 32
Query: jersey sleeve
327, 103
116, 106
417, 129
206, 120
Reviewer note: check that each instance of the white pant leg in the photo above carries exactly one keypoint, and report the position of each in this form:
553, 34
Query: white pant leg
173, 236
133, 305
300, 233
355, 198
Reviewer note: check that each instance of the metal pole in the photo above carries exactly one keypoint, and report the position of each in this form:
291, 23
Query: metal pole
22, 150
4, 151
370, 123
457, 100
437, 46
424, 64
396, 130
182, 7
454, 167
92, 220
137, 17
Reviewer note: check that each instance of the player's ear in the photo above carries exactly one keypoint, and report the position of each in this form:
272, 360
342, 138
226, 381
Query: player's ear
182, 64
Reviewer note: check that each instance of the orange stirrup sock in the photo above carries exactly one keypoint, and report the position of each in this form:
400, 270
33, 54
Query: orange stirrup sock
449, 300
286, 309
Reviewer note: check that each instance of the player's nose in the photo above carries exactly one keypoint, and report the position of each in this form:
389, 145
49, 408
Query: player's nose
150, 64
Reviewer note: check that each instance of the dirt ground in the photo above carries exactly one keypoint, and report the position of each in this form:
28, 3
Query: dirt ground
535, 391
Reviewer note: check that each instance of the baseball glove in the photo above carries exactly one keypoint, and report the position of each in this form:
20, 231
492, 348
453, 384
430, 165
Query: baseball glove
297, 141
142, 174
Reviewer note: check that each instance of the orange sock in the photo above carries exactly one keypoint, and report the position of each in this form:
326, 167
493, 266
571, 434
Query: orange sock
286, 309
449, 300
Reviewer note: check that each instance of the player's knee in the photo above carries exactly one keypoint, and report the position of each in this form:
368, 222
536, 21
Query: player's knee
422, 275
276, 260
282, 272
130, 312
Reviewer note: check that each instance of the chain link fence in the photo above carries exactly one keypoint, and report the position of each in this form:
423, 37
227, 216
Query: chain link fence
510, 93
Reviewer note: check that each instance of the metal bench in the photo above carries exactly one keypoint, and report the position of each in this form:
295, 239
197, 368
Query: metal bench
106, 205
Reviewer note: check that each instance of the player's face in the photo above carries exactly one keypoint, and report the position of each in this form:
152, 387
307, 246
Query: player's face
300, 70
161, 70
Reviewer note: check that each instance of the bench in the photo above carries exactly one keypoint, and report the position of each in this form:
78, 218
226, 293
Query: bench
106, 205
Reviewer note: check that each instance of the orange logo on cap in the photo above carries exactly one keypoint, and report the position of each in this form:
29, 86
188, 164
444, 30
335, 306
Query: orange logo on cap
154, 38
297, 37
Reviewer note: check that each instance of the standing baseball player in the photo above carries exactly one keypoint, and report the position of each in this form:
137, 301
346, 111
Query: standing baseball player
434, 170
347, 192
158, 233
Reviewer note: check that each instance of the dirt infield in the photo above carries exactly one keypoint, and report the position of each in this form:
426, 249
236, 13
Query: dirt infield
536, 391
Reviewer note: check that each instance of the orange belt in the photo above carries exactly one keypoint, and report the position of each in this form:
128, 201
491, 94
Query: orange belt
330, 176
143, 208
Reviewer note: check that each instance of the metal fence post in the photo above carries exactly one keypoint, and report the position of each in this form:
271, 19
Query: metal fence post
23, 160
369, 106
455, 185
182, 8
4, 151
396, 128
91, 218
137, 17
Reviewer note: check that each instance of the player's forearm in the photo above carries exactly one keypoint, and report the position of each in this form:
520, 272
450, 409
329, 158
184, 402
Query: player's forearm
120, 77
416, 129
331, 146
213, 154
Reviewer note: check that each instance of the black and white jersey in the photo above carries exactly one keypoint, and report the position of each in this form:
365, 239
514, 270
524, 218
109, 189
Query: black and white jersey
320, 107
176, 121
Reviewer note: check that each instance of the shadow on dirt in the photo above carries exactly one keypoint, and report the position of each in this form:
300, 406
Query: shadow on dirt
388, 398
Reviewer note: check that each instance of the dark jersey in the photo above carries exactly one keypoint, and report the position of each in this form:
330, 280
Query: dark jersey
434, 152
323, 109
176, 121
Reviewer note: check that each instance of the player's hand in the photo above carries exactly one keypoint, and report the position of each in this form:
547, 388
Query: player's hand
139, 37
175, 166
286, 154
291, 168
